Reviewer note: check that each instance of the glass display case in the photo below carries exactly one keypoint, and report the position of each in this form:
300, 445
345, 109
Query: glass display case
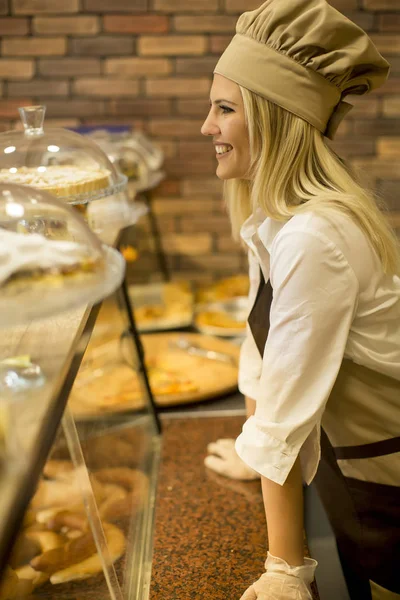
77, 505
76, 491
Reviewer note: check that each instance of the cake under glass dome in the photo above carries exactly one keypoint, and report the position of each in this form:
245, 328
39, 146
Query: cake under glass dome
50, 261
66, 164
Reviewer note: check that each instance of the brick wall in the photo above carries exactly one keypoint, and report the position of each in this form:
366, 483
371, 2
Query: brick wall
148, 63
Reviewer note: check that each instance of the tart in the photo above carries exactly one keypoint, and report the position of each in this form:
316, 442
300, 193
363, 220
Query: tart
62, 181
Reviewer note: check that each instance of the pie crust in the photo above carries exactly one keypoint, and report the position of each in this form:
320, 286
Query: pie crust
59, 180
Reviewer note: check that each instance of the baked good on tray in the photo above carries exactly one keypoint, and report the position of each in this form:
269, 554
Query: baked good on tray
229, 287
61, 180
119, 387
28, 260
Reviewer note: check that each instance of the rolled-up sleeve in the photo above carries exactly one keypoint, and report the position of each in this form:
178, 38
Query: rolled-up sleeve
314, 300
250, 362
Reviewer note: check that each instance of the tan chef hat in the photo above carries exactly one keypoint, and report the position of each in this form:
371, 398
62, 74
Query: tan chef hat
304, 56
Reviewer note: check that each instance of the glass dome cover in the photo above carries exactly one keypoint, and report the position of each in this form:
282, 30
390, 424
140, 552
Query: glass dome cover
50, 261
66, 164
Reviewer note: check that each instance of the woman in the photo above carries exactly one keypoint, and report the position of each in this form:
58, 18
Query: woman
320, 365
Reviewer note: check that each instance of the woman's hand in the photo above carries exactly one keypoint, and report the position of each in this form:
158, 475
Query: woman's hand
283, 582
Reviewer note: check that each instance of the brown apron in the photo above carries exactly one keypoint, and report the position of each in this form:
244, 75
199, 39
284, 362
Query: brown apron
365, 516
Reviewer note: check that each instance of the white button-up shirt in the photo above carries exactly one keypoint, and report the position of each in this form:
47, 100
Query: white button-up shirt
331, 300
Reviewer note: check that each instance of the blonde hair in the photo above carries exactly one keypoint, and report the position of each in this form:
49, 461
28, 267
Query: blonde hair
293, 169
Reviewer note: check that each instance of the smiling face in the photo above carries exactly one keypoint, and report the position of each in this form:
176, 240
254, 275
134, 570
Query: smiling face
226, 124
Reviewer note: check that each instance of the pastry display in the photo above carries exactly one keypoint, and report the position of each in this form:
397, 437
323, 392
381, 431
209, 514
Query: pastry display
60, 181
160, 306
118, 387
224, 289
55, 545
108, 382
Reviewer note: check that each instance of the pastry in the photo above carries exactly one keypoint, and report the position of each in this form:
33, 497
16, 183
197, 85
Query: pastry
61, 181
32, 259
218, 319
229, 287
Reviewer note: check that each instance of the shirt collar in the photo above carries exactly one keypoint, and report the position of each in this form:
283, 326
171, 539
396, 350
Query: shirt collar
260, 228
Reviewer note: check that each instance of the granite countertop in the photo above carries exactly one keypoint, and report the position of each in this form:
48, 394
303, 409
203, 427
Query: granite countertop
210, 539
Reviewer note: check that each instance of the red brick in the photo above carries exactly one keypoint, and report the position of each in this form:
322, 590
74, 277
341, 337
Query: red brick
140, 107
389, 22
202, 149
175, 127
6, 125
135, 23
14, 26
4, 7
387, 44
217, 262
375, 127
381, 5
390, 192
102, 45
389, 88
74, 108
23, 46
365, 20
38, 88
105, 87
394, 219
174, 86
212, 223
16, 69
354, 147
225, 243
194, 187
218, 43
172, 45
184, 166
364, 106
189, 245
69, 66
168, 187
191, 107
391, 106
138, 67
199, 66
135, 124
240, 6
107, 6
200, 24
178, 205
38, 7
168, 147
379, 167
344, 5
388, 147
198, 6
81, 25
62, 122
9, 108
